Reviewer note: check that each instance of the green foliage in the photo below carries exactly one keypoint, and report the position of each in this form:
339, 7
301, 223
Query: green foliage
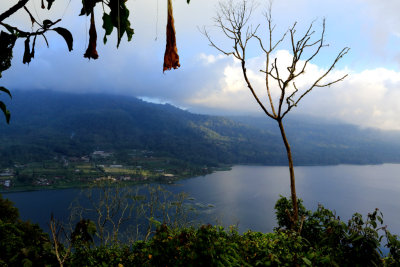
5, 111
118, 18
284, 207
104, 256
355, 243
8, 213
83, 233
393, 243
22, 243
204, 246
107, 26
324, 240
44, 121
87, 6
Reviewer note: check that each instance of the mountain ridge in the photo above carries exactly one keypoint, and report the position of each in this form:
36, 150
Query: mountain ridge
49, 123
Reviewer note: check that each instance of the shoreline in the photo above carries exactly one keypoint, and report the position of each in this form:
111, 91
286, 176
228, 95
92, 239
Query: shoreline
173, 180
128, 183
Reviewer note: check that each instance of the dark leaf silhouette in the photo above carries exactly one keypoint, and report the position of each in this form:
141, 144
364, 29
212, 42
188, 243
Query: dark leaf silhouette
5, 90
5, 111
107, 26
66, 34
84, 232
7, 42
43, 7
3, 107
171, 57
91, 51
88, 6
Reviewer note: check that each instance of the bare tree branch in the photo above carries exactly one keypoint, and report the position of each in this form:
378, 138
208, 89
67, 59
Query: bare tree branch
13, 9
316, 83
232, 20
244, 70
26, 34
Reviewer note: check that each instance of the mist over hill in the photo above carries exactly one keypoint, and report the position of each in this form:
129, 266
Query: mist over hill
47, 123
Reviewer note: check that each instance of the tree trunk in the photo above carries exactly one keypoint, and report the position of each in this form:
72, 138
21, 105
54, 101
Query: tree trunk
295, 214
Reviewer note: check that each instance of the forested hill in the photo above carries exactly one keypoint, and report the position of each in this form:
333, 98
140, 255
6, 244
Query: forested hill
47, 123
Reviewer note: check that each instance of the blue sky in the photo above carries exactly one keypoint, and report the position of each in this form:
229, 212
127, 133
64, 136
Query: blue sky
209, 82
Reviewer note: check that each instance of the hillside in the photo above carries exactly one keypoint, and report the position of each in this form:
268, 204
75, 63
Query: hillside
46, 124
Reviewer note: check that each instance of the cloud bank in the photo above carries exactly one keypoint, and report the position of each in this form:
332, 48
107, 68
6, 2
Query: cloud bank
369, 98
211, 83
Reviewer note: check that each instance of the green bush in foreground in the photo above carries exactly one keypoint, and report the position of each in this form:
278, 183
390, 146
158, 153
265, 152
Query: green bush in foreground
22, 243
321, 239
355, 243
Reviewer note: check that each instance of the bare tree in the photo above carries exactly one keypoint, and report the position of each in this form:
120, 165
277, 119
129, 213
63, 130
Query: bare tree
137, 212
111, 205
62, 252
233, 20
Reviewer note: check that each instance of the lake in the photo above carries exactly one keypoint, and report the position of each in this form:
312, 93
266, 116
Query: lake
246, 195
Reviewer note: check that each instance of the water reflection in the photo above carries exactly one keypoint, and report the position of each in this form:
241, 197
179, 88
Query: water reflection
246, 195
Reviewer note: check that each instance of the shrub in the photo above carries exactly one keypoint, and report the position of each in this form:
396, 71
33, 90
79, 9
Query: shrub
22, 243
321, 239
355, 243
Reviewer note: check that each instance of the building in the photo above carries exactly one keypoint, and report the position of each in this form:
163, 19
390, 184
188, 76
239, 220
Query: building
7, 183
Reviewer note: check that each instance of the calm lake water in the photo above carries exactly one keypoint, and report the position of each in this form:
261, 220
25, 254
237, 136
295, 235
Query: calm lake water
246, 195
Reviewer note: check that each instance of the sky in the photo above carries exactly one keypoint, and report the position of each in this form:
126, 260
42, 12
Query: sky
209, 82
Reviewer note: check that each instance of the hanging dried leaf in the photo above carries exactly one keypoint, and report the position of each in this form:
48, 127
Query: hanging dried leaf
49, 4
27, 53
171, 57
91, 50
33, 47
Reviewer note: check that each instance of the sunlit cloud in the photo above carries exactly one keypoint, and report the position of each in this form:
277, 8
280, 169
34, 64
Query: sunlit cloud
368, 98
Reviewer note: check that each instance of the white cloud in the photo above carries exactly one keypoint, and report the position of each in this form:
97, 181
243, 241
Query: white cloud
368, 98
210, 59
206, 81
382, 26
